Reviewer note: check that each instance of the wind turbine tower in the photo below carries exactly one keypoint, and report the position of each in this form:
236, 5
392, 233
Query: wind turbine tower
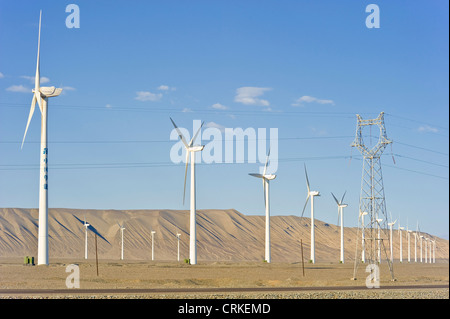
265, 179
86, 225
121, 231
341, 207
372, 196
190, 152
41, 95
178, 242
153, 245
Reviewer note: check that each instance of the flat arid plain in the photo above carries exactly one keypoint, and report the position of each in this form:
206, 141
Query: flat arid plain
230, 258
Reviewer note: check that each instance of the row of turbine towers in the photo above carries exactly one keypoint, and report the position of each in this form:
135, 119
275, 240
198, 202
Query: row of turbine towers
42, 94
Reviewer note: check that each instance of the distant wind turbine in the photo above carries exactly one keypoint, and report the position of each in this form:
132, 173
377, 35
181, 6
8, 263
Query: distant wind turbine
41, 95
265, 179
363, 239
379, 220
178, 242
401, 242
311, 195
153, 245
190, 151
391, 224
121, 230
341, 207
86, 225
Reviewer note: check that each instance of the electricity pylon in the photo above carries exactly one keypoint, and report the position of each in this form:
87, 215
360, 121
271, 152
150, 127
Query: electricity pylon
372, 200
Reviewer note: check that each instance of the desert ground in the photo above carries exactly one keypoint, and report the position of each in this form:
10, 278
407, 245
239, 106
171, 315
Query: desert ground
169, 274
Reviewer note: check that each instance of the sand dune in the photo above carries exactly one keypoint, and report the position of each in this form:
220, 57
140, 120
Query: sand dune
222, 235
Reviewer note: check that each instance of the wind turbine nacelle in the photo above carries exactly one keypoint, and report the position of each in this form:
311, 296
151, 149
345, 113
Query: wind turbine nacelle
49, 91
269, 176
196, 148
314, 193
343, 205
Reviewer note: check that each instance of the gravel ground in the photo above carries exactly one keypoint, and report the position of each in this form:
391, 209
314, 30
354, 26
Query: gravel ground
440, 293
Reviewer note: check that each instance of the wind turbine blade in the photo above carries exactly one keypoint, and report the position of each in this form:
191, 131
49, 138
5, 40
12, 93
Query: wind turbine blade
307, 180
306, 203
342, 200
33, 104
195, 136
256, 175
185, 174
179, 134
37, 79
335, 199
267, 161
264, 188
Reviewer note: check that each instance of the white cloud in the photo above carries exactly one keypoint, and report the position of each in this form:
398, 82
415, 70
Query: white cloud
250, 95
43, 79
148, 96
1, 75
219, 106
427, 128
186, 110
108, 106
310, 99
19, 89
68, 88
215, 125
165, 88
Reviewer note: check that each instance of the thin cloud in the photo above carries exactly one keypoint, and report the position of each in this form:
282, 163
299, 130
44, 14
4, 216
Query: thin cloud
250, 96
147, 96
1, 75
219, 106
165, 88
310, 99
427, 128
43, 79
18, 89
215, 125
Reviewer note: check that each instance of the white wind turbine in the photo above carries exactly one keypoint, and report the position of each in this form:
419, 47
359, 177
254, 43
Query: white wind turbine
178, 242
434, 251
153, 245
41, 95
430, 249
379, 220
401, 244
311, 195
121, 230
426, 250
391, 224
341, 207
86, 225
265, 179
363, 239
190, 148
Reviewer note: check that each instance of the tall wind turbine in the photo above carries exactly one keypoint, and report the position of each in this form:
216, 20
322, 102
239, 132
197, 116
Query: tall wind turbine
363, 239
392, 223
409, 231
265, 179
41, 95
121, 230
434, 251
86, 225
311, 195
190, 151
341, 207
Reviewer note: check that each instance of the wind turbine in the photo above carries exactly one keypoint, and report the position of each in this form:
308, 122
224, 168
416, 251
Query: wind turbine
341, 207
86, 225
409, 231
434, 251
392, 223
191, 149
311, 195
379, 220
426, 250
153, 244
178, 241
401, 244
363, 253
41, 95
265, 179
121, 230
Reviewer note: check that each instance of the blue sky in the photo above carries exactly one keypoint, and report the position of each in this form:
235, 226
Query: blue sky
304, 67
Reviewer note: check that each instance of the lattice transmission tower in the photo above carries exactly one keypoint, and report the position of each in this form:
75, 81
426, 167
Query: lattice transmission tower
373, 218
